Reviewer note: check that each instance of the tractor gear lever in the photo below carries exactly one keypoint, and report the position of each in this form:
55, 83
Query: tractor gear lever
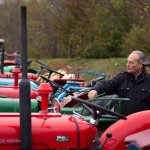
108, 135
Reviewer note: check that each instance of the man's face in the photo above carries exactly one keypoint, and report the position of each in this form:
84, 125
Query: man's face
133, 65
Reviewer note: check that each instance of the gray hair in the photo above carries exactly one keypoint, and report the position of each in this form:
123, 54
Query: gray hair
140, 55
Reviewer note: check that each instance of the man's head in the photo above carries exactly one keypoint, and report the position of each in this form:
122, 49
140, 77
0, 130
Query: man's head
135, 63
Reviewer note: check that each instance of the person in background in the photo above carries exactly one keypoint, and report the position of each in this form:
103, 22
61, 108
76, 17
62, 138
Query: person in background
147, 63
134, 84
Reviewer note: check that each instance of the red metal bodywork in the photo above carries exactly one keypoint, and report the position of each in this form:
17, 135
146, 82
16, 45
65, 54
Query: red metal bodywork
64, 81
13, 92
9, 62
140, 138
120, 130
49, 131
10, 75
17, 72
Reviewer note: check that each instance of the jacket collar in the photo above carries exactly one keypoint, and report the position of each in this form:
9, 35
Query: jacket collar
140, 77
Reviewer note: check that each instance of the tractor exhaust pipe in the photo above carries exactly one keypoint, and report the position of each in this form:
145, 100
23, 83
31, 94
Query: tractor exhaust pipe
2, 55
25, 102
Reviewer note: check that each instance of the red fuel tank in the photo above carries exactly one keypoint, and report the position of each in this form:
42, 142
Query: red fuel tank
49, 131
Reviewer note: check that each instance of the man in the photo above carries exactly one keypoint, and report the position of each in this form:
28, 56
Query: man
133, 84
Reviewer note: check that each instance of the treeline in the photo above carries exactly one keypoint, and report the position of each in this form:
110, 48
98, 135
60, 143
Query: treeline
78, 28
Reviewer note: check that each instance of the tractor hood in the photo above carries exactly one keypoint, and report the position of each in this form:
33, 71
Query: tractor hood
49, 131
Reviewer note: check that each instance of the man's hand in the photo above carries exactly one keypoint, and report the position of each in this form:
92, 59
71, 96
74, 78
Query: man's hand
92, 94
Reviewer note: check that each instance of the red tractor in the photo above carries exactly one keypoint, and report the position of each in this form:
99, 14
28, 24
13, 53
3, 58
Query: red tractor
130, 134
49, 130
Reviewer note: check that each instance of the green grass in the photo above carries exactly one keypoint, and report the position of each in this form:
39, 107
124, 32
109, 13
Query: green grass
110, 66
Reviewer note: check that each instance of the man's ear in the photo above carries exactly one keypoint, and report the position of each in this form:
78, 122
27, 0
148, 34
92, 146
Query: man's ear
140, 65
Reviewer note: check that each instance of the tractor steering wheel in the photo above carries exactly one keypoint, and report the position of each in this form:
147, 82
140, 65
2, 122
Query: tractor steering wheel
98, 108
47, 68
57, 85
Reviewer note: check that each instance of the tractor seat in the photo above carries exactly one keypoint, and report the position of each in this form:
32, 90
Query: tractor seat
142, 139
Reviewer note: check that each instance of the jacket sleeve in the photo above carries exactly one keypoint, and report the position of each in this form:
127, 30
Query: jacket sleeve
109, 86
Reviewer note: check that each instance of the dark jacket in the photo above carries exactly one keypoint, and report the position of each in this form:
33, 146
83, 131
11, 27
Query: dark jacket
125, 85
